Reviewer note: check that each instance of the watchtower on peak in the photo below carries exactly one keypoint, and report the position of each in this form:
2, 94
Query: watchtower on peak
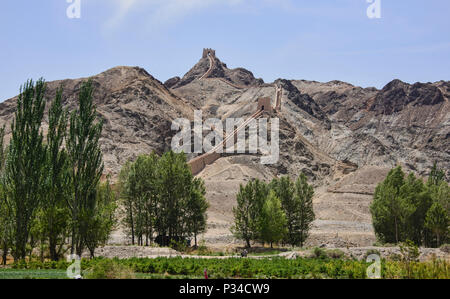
209, 52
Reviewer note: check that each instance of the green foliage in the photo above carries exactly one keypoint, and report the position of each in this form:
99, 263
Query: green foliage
160, 195
335, 253
85, 158
437, 220
273, 220
103, 218
24, 178
53, 215
409, 253
296, 200
49, 188
259, 204
320, 253
436, 176
271, 268
5, 216
109, 269
195, 209
401, 207
305, 213
248, 212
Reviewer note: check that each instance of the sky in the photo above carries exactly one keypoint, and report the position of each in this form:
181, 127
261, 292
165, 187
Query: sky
320, 40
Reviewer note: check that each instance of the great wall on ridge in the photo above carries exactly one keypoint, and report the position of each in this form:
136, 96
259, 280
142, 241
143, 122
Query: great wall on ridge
264, 105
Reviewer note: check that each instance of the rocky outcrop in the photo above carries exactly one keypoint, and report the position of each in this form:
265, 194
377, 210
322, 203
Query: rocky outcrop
238, 76
172, 82
396, 95
137, 111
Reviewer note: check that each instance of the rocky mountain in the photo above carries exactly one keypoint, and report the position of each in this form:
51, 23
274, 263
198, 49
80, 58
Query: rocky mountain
136, 108
343, 137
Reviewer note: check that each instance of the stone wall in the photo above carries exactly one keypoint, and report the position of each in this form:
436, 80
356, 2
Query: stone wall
199, 163
265, 104
208, 51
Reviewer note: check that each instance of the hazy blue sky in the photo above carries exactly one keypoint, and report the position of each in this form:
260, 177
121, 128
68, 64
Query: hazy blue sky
318, 40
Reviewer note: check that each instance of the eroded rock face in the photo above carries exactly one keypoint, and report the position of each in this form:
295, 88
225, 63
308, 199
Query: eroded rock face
172, 82
396, 95
238, 76
137, 111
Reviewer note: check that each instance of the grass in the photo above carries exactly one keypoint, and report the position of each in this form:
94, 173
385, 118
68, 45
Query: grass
32, 274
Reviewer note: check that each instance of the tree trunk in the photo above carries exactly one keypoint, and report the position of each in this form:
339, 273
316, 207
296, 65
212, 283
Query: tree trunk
396, 230
5, 253
52, 249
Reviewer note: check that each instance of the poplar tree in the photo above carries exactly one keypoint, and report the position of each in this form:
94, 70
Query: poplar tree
103, 218
24, 172
273, 224
437, 220
248, 212
5, 219
54, 215
195, 210
174, 189
85, 158
305, 216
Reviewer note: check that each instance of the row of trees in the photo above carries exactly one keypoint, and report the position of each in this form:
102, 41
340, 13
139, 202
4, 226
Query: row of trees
50, 190
406, 208
161, 196
281, 211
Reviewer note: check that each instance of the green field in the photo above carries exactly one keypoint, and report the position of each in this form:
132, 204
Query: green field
266, 268
32, 274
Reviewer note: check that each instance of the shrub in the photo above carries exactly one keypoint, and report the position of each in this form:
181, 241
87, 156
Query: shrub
109, 269
335, 253
320, 253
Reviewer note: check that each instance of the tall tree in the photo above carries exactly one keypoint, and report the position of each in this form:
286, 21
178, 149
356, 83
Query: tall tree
248, 212
85, 158
54, 215
127, 199
437, 176
195, 209
305, 212
418, 199
24, 177
103, 218
5, 215
174, 189
284, 190
437, 220
273, 224
390, 209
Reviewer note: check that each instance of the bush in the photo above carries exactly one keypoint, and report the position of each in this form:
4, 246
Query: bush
320, 253
180, 246
109, 269
335, 253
